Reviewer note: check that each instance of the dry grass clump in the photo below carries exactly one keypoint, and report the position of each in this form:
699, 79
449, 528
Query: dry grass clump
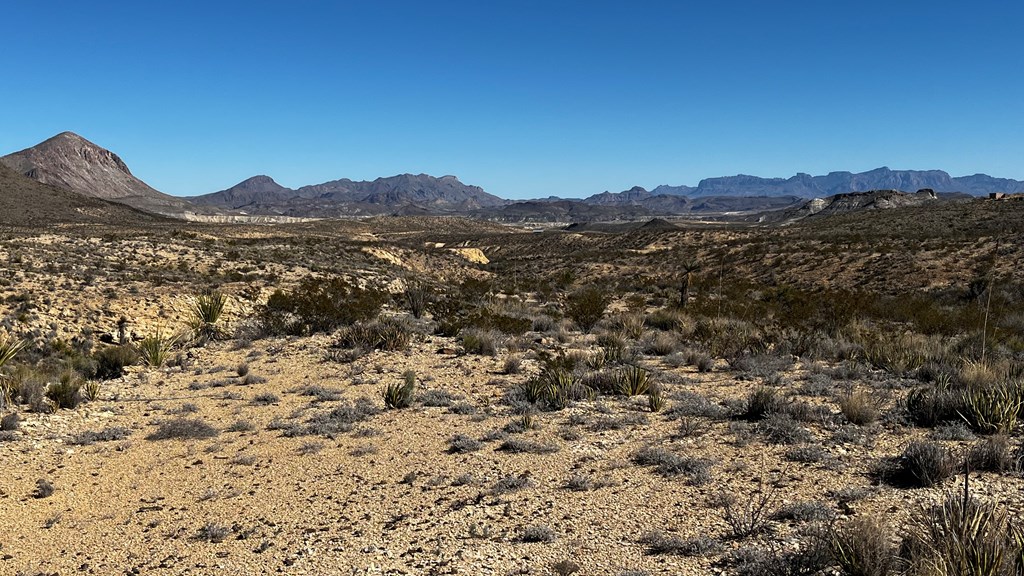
922, 464
859, 407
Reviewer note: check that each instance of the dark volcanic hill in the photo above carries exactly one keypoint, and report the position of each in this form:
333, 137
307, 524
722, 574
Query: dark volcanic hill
402, 194
25, 202
71, 162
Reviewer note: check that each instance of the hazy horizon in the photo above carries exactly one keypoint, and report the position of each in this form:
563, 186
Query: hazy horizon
526, 101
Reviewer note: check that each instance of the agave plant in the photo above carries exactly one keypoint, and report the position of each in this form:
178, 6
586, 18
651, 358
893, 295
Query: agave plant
205, 311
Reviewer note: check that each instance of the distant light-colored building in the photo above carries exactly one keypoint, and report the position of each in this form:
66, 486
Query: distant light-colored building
996, 195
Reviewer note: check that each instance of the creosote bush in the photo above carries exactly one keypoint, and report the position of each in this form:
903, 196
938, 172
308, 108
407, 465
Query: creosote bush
586, 306
318, 305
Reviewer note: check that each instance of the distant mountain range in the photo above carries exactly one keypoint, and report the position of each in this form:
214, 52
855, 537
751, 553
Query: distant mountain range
72, 163
405, 193
807, 186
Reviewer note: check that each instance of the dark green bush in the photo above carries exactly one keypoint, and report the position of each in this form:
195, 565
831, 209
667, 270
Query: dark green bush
586, 306
318, 305
111, 361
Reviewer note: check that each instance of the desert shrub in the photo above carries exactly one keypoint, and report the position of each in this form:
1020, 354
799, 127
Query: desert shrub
538, 533
521, 446
213, 533
859, 407
265, 399
688, 404
992, 454
661, 344
112, 360
670, 320
204, 312
436, 398
749, 513
388, 334
461, 444
321, 393
729, 337
806, 454
65, 392
630, 325
634, 381
28, 386
658, 542
340, 419
964, 536
862, 547
511, 483
805, 511
781, 428
761, 402
586, 306
183, 429
554, 387
155, 348
400, 394
929, 406
481, 342
417, 296
921, 465
10, 422
318, 305
953, 431
110, 434
671, 465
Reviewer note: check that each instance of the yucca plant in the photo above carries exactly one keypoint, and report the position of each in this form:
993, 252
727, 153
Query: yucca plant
994, 409
155, 348
634, 381
204, 312
400, 394
91, 390
964, 536
9, 348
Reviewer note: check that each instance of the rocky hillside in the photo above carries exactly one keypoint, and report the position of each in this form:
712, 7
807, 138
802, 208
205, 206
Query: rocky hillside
25, 202
858, 202
73, 163
402, 194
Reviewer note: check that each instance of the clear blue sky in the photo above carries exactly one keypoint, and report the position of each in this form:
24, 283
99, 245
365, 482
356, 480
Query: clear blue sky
525, 98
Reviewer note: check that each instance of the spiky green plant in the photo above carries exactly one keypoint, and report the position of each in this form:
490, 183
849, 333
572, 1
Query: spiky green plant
400, 394
155, 348
994, 409
655, 399
634, 381
65, 392
9, 348
204, 313
91, 390
964, 536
